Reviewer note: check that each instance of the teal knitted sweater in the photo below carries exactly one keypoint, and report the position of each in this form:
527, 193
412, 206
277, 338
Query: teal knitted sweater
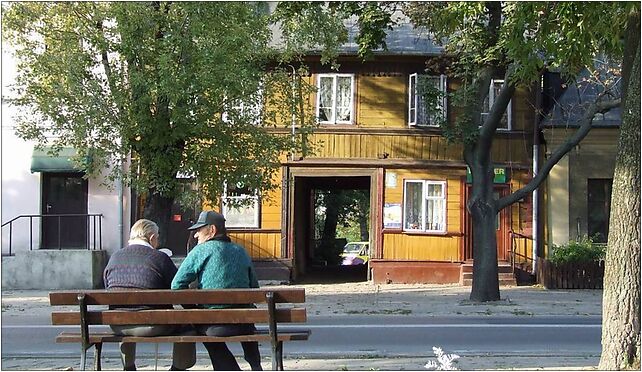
216, 264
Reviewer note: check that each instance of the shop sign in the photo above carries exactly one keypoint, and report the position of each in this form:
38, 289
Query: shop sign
501, 175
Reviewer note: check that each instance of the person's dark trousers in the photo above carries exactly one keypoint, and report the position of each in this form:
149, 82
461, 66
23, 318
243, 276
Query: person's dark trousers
221, 357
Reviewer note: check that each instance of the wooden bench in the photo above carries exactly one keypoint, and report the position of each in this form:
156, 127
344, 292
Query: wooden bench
266, 313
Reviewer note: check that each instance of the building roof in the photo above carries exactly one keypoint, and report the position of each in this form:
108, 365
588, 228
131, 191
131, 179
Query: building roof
403, 39
572, 104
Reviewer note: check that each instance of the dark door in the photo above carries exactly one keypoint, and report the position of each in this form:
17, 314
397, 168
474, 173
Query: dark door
63, 194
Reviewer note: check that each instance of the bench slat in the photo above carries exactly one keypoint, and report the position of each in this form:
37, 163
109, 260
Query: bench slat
177, 297
176, 316
70, 337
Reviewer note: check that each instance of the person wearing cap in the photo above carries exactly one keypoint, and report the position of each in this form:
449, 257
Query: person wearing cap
141, 265
217, 263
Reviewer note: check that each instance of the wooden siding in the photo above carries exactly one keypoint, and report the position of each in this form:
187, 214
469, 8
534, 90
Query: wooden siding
271, 203
259, 244
382, 101
421, 247
407, 145
521, 212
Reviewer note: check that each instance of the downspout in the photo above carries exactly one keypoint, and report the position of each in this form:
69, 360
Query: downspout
120, 203
293, 110
535, 198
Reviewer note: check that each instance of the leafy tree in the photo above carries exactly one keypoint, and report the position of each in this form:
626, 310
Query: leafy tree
621, 302
172, 84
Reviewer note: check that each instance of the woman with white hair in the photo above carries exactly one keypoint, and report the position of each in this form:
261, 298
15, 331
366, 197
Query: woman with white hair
140, 265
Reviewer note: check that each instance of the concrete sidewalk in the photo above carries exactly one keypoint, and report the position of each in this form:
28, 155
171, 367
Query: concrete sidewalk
365, 298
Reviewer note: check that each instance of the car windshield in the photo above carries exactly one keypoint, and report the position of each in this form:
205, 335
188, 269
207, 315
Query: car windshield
352, 248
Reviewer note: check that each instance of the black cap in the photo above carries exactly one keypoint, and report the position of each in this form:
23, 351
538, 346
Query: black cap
209, 218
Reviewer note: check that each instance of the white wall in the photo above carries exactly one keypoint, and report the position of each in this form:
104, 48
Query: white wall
21, 189
104, 199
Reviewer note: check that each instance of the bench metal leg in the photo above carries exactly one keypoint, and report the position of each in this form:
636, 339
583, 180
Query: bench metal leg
98, 348
279, 355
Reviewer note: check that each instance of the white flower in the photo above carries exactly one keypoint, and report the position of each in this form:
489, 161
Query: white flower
444, 361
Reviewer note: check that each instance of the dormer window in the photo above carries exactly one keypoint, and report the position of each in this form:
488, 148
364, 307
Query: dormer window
426, 100
335, 98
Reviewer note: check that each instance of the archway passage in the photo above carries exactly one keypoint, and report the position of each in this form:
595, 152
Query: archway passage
332, 228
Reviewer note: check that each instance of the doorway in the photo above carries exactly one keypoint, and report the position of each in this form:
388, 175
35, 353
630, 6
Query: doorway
502, 227
62, 194
328, 213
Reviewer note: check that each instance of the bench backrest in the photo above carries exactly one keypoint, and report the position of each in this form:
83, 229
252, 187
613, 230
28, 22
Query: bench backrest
261, 314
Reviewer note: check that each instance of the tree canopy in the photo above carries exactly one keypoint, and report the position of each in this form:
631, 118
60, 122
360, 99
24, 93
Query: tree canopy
189, 89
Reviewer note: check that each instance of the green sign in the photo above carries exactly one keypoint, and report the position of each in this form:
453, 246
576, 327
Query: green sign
501, 175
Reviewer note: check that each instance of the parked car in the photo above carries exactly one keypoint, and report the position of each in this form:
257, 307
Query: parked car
355, 253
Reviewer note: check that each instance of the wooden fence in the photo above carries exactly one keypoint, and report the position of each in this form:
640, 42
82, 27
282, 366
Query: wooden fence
572, 275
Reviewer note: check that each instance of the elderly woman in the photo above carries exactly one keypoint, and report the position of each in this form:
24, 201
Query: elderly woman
140, 265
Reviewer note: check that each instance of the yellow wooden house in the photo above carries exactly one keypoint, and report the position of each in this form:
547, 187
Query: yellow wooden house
374, 134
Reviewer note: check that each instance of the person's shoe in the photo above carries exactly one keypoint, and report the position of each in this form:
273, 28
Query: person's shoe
172, 368
130, 368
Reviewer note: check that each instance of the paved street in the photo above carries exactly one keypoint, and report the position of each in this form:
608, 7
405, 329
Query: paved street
397, 330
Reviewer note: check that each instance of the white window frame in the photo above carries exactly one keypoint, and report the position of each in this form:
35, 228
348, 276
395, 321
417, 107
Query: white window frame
413, 99
226, 209
241, 106
425, 197
491, 102
333, 119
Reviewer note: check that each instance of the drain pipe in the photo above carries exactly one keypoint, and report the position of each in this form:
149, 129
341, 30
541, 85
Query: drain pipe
293, 109
120, 203
536, 149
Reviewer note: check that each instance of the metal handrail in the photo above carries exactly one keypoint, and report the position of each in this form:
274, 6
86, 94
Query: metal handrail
93, 217
513, 237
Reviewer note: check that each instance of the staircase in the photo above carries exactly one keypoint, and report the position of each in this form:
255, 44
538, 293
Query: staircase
506, 276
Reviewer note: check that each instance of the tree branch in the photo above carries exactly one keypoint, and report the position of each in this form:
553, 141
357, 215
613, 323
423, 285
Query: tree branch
563, 149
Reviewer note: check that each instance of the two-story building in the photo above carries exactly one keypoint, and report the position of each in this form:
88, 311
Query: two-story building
376, 134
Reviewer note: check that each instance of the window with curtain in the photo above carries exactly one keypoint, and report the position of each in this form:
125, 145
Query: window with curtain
247, 109
240, 207
426, 99
493, 91
335, 98
424, 206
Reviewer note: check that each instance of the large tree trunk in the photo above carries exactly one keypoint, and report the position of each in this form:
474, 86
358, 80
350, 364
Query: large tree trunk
332, 201
159, 210
482, 207
621, 301
363, 227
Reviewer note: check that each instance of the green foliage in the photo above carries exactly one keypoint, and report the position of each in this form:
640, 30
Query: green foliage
168, 83
319, 26
523, 38
353, 207
582, 250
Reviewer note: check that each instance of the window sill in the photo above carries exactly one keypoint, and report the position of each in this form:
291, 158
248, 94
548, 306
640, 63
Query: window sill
340, 125
422, 233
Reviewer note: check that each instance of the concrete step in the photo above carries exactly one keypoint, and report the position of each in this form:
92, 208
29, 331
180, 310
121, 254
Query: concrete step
502, 267
273, 270
505, 274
